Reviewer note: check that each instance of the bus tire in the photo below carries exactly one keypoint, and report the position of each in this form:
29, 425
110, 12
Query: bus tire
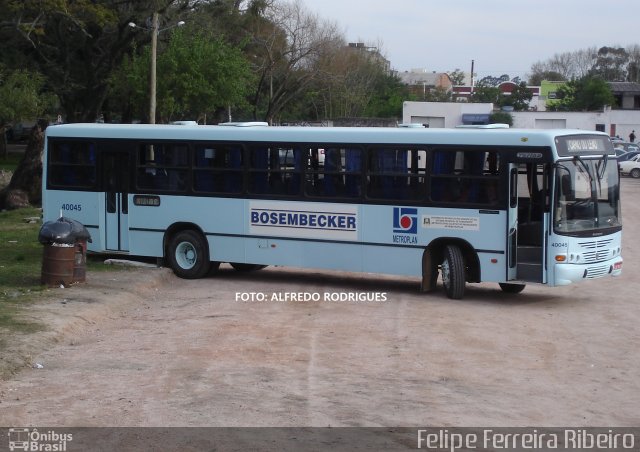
511, 288
188, 255
246, 267
453, 272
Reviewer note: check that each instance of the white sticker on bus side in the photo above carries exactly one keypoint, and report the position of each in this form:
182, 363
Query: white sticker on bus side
455, 223
304, 220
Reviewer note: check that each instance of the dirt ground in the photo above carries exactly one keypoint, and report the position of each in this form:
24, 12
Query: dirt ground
144, 348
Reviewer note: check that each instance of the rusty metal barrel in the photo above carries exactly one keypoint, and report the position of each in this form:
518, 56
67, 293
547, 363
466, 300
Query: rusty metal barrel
58, 261
64, 260
80, 262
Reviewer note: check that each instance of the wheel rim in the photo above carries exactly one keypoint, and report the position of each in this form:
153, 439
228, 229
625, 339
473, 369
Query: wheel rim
186, 255
446, 272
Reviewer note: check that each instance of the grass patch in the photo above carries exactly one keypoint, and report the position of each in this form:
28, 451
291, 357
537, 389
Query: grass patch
11, 162
20, 264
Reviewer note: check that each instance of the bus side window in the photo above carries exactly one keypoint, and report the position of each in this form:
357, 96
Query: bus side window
395, 174
233, 173
469, 177
443, 164
160, 179
331, 167
218, 169
474, 166
353, 168
163, 167
258, 175
203, 180
293, 167
72, 164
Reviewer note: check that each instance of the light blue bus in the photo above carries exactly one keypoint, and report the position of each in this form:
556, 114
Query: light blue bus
471, 205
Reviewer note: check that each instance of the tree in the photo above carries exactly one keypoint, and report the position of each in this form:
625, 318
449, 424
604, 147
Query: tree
353, 83
536, 79
484, 93
77, 44
563, 66
439, 94
501, 117
457, 77
611, 64
201, 77
286, 47
20, 99
519, 98
25, 186
387, 97
584, 94
633, 69
490, 80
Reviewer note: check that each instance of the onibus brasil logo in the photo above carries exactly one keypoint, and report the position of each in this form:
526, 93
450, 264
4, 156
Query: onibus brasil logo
33, 440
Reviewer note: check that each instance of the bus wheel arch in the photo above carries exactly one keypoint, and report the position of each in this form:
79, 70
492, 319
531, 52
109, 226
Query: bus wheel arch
448, 253
187, 251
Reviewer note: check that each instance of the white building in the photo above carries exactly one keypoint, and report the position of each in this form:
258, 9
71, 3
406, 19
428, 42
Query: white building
449, 114
445, 114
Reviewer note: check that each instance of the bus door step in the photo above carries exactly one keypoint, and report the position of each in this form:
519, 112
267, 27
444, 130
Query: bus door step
530, 254
529, 263
529, 272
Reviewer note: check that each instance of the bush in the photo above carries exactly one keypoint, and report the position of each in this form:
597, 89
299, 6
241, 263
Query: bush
501, 117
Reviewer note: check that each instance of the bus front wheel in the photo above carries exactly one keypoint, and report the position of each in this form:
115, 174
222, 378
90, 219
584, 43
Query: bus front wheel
453, 272
188, 255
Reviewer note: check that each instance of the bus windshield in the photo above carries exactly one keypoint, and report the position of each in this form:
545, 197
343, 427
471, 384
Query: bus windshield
587, 197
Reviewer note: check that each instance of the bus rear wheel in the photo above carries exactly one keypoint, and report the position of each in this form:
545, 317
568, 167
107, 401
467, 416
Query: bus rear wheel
453, 272
188, 255
246, 267
511, 288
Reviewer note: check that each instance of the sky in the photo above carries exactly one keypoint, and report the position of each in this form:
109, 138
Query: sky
501, 36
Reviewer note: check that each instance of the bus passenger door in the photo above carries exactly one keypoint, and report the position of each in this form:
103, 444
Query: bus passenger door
532, 214
512, 224
115, 174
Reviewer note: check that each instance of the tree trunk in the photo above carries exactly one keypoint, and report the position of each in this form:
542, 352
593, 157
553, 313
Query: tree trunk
25, 187
4, 149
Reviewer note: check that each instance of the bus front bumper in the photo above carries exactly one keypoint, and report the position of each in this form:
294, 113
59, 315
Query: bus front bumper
569, 273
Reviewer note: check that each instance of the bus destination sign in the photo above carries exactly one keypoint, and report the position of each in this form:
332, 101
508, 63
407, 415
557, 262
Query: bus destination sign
583, 145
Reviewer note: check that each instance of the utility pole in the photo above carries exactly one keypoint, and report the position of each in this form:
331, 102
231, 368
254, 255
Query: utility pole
155, 31
152, 81
472, 64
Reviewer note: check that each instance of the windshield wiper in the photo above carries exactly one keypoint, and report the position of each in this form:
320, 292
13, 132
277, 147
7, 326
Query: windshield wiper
592, 185
602, 166
585, 167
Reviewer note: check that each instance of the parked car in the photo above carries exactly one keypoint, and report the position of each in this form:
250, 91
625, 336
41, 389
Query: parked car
619, 152
627, 155
626, 146
630, 167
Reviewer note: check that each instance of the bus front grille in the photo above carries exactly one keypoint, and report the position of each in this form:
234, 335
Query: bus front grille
595, 250
597, 272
